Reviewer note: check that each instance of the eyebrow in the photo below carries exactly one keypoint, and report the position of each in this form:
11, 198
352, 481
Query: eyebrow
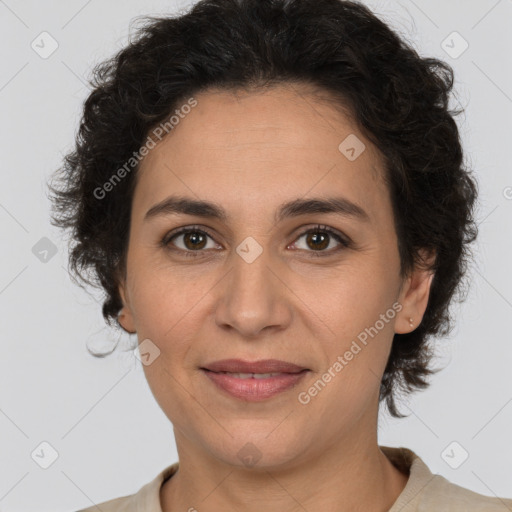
184, 205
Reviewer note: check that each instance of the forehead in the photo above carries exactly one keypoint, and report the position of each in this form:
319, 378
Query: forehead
283, 142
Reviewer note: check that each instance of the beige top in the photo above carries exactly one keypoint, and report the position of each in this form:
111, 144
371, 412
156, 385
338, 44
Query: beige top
424, 492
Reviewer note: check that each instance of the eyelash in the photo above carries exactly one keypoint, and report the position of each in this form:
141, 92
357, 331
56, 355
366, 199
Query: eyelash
345, 242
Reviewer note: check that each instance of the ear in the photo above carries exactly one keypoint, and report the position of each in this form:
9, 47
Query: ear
414, 295
125, 317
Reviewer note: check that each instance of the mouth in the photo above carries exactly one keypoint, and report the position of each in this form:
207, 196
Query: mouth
265, 366
254, 381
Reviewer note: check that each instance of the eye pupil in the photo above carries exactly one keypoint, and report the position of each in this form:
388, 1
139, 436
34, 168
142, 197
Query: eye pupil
193, 236
315, 235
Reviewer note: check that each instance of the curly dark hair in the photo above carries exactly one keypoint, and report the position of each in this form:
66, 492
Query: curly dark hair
398, 99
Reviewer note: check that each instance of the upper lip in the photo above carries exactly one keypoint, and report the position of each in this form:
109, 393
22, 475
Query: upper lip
262, 366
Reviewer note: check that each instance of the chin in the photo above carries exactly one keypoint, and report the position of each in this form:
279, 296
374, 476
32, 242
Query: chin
257, 452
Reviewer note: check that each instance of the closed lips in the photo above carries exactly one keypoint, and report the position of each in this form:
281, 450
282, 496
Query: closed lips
252, 375
254, 381
257, 369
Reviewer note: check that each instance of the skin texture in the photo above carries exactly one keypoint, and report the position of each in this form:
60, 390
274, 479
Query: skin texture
251, 152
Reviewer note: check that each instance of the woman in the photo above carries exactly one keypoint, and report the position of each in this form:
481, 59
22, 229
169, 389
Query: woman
273, 197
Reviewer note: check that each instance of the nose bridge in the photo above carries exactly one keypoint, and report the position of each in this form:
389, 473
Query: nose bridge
251, 272
252, 299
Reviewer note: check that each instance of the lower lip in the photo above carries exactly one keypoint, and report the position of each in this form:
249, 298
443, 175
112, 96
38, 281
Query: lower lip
255, 390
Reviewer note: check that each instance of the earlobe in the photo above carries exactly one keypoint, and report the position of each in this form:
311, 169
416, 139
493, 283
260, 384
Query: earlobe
414, 299
125, 317
125, 321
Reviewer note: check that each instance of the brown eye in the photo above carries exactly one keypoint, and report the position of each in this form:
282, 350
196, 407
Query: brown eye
318, 239
193, 240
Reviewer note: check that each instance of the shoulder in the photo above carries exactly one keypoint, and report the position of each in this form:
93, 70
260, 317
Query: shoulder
428, 492
122, 504
146, 498
441, 494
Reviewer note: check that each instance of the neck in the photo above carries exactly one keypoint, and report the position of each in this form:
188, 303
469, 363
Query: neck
344, 477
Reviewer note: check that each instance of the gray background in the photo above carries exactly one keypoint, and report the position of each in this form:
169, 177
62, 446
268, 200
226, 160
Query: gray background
99, 414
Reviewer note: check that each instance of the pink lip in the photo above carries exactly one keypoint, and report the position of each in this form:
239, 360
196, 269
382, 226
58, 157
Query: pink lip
254, 390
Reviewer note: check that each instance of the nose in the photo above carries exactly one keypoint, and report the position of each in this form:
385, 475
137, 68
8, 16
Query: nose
253, 296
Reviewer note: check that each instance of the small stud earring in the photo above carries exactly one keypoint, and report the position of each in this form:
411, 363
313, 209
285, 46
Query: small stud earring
410, 322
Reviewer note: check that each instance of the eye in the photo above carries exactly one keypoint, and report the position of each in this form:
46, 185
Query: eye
193, 240
320, 238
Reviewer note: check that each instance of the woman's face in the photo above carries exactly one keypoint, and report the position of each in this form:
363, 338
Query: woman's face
253, 284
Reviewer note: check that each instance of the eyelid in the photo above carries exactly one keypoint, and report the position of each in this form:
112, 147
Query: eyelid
343, 239
183, 230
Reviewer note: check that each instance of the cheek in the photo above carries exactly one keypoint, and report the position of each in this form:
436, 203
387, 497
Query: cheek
356, 297
168, 306
160, 293
360, 309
